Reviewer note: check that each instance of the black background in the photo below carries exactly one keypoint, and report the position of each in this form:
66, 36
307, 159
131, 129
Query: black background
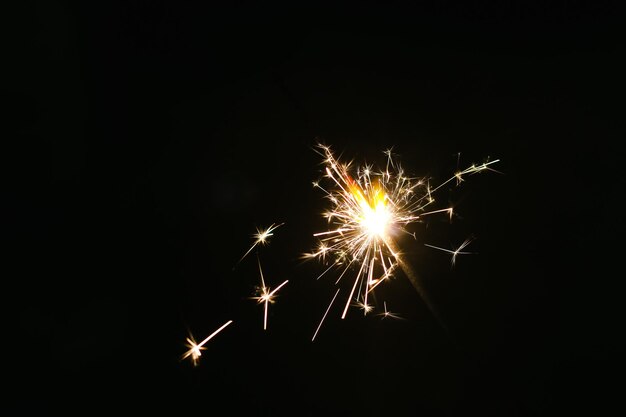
146, 141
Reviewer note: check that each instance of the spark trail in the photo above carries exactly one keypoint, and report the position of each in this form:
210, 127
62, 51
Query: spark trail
195, 348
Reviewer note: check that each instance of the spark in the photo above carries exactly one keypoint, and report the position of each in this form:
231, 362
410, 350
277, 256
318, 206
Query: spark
266, 296
364, 306
368, 211
195, 348
388, 313
261, 237
456, 252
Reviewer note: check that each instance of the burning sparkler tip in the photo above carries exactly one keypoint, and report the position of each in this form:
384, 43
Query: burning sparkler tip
368, 210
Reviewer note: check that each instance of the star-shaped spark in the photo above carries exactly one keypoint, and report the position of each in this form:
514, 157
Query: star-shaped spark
195, 348
266, 296
388, 313
261, 237
456, 252
364, 306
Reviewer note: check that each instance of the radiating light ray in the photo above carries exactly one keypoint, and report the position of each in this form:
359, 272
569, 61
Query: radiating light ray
195, 348
266, 296
368, 211
456, 252
261, 237
323, 317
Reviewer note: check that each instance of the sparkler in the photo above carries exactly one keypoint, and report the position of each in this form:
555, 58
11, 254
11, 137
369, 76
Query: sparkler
195, 348
368, 211
266, 296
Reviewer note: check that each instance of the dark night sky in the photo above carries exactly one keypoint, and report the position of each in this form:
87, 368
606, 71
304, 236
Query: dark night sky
146, 141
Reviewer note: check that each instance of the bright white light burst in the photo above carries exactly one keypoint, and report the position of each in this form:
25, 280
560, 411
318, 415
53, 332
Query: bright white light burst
369, 209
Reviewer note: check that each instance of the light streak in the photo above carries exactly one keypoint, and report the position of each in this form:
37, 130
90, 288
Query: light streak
322, 321
195, 348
